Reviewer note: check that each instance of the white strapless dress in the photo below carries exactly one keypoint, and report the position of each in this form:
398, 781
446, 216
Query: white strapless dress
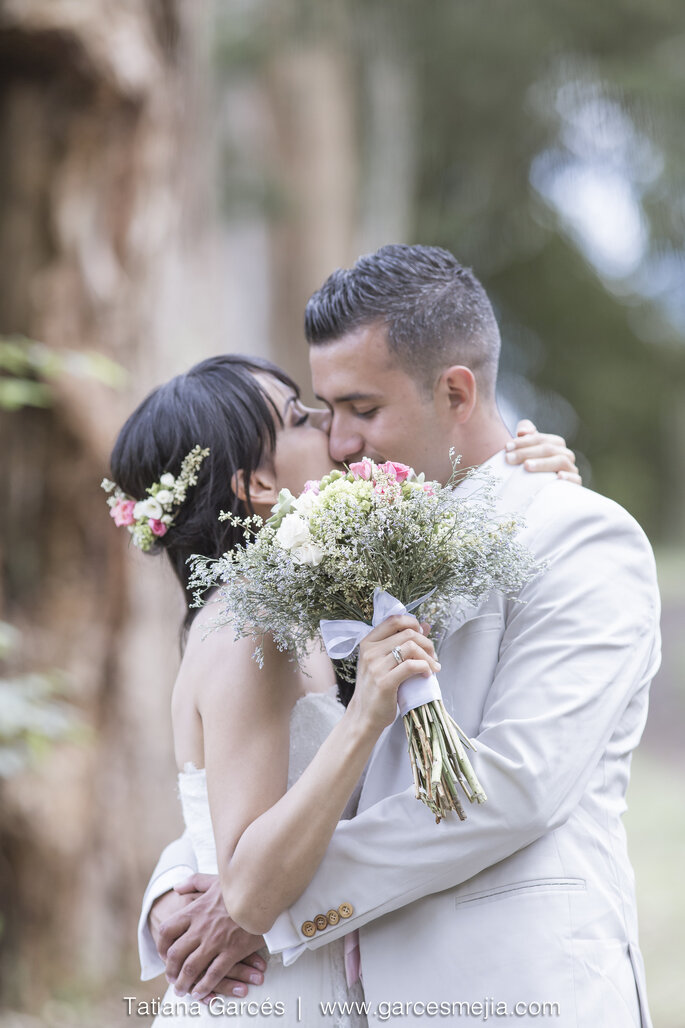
290, 995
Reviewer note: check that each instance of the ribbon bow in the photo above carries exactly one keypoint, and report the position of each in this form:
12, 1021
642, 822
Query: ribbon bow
341, 638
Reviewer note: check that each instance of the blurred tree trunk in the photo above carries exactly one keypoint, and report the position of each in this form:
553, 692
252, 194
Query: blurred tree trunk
94, 116
342, 147
314, 148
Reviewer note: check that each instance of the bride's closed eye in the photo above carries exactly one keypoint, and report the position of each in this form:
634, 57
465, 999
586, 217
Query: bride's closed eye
295, 413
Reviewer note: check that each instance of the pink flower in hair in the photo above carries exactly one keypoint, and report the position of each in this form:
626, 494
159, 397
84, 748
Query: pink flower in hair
157, 527
122, 513
312, 486
362, 468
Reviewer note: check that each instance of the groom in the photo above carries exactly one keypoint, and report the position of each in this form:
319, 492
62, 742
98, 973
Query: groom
528, 906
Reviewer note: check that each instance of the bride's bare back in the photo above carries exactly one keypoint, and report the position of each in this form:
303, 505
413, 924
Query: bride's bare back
214, 661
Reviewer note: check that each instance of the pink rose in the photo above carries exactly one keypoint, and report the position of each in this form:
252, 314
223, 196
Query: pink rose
157, 527
312, 486
362, 468
122, 513
394, 470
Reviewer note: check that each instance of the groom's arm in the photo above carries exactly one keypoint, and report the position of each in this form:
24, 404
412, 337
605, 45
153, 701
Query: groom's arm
572, 658
176, 863
197, 944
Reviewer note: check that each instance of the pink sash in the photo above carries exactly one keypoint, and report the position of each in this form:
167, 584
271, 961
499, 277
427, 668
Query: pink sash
352, 958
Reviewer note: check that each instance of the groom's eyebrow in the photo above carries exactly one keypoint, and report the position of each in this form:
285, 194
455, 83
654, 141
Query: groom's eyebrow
349, 398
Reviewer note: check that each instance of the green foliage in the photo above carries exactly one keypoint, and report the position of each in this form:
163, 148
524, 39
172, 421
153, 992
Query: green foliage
512, 90
512, 101
33, 712
27, 369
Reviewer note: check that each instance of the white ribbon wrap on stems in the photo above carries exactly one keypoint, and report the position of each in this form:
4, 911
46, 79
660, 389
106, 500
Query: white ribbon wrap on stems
341, 638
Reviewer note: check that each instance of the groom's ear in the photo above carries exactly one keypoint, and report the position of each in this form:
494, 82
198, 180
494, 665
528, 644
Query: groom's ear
457, 390
262, 483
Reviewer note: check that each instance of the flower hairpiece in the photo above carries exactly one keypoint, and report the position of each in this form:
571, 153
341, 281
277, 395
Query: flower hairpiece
152, 518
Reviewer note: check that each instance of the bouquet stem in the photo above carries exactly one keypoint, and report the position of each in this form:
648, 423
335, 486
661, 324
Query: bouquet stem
439, 761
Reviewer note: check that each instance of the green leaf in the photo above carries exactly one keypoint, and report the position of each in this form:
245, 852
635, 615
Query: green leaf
16, 393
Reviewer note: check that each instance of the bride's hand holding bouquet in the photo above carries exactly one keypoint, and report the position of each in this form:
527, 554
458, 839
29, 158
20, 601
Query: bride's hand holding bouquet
379, 675
359, 547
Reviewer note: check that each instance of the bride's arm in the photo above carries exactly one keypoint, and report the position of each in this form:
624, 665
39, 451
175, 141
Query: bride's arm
540, 451
270, 841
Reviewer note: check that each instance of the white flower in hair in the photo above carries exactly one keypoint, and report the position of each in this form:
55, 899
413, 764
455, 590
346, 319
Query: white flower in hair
147, 509
164, 496
167, 480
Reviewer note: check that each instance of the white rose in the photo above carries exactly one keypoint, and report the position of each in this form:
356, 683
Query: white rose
167, 480
308, 553
147, 509
305, 504
164, 497
293, 531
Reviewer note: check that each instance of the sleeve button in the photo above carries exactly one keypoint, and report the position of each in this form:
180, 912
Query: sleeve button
321, 922
346, 910
332, 916
309, 929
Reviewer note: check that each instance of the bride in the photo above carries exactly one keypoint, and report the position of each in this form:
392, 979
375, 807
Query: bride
267, 759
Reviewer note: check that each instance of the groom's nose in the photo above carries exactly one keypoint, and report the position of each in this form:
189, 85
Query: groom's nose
344, 443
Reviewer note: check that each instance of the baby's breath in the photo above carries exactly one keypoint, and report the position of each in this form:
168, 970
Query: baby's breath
405, 536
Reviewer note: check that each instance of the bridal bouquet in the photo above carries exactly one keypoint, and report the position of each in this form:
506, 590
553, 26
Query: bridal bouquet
350, 551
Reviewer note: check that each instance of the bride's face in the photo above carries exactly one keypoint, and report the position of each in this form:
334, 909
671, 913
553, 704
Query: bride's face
301, 451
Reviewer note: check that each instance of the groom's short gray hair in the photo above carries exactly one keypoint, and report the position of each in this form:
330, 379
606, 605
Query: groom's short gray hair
435, 311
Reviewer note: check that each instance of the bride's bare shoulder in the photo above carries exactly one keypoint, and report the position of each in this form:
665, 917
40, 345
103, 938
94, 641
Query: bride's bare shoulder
214, 658
207, 641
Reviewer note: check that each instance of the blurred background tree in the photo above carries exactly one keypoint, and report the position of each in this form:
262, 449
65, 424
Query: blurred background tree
177, 178
95, 116
539, 143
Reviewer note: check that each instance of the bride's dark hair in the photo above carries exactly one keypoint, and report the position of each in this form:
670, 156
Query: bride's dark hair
217, 404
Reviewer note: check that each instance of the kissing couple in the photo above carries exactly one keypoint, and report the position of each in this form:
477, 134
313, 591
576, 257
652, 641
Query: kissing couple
308, 874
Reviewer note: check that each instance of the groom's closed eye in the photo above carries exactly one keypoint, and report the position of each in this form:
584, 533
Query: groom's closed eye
365, 413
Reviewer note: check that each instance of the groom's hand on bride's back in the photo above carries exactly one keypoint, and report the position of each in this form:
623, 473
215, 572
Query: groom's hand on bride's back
204, 950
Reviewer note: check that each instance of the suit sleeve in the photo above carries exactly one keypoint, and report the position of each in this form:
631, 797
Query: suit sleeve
176, 863
574, 653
